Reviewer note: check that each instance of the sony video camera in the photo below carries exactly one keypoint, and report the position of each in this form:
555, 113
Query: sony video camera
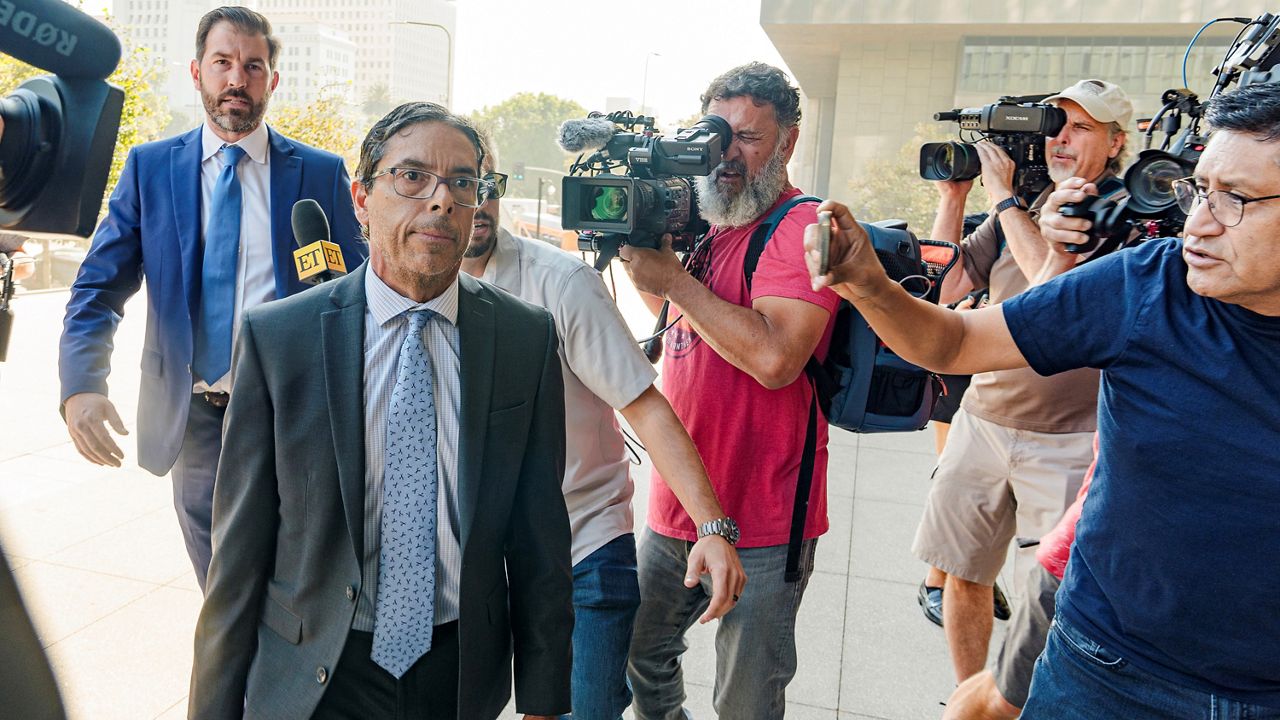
1019, 125
1150, 209
651, 196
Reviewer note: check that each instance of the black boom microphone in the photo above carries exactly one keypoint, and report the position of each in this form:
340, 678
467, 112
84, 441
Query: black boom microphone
54, 36
60, 131
316, 259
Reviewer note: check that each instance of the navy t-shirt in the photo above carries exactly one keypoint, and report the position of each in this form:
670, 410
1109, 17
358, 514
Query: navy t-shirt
1177, 550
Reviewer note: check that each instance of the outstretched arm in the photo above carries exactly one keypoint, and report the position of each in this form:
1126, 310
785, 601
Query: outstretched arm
920, 331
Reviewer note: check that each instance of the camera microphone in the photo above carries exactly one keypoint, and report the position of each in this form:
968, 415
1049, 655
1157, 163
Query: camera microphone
55, 36
590, 133
316, 259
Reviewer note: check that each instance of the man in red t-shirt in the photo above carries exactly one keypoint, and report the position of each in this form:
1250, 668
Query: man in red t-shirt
734, 373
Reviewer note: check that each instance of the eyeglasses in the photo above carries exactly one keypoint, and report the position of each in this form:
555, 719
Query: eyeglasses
498, 185
1225, 207
420, 185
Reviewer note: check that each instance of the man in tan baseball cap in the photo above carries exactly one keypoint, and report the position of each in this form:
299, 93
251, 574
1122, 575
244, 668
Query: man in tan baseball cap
1104, 103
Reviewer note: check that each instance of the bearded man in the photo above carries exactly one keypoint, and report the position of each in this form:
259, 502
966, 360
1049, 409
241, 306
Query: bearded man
737, 356
205, 218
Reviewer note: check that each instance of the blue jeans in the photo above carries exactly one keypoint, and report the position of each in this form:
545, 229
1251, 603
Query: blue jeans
755, 641
605, 597
1077, 678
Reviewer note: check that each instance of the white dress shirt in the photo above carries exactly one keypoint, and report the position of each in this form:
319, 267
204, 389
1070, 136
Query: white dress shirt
255, 265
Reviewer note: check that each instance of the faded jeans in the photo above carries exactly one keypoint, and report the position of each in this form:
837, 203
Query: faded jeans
755, 642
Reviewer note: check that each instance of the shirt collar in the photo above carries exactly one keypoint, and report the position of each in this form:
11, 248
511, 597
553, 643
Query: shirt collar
386, 304
254, 144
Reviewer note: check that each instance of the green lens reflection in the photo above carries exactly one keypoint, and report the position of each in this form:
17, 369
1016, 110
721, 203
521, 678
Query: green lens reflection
610, 204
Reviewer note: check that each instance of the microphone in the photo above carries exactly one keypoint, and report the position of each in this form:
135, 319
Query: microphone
316, 259
591, 133
55, 36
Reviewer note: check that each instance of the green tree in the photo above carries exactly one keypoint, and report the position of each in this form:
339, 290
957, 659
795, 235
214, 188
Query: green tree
524, 128
892, 187
322, 123
377, 102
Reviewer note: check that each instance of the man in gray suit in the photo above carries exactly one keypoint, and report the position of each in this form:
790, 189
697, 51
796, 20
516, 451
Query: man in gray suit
389, 489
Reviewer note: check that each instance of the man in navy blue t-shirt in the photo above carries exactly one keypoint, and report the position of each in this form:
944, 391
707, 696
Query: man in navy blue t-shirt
1170, 607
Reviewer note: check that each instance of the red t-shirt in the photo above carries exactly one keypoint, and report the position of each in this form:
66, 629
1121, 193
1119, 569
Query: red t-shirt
750, 438
1055, 547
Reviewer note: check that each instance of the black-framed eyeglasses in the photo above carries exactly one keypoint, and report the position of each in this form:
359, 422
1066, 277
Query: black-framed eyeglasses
1225, 207
419, 184
498, 185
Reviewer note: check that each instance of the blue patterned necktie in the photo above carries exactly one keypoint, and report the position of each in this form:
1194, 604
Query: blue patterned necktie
218, 273
405, 609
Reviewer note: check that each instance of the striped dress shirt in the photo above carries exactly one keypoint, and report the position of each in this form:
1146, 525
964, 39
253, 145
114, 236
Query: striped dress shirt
385, 325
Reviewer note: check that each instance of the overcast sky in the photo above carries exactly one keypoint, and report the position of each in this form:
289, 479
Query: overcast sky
589, 50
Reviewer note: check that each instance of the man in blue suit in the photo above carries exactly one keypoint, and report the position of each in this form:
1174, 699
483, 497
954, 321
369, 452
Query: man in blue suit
205, 218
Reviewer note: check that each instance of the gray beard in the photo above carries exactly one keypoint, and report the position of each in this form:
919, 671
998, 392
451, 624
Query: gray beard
741, 209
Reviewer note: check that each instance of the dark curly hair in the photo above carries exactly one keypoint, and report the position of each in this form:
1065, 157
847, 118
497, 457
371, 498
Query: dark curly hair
763, 84
375, 143
1252, 109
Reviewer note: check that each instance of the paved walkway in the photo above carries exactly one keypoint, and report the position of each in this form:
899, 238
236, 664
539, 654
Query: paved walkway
99, 557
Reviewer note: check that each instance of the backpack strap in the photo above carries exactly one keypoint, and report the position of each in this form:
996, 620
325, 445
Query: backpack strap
764, 231
804, 478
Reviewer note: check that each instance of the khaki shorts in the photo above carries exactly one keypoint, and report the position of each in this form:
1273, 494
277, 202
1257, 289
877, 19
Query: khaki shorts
1028, 631
991, 482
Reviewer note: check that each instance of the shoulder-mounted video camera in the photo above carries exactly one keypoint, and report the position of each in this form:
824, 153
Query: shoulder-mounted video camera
652, 194
1019, 125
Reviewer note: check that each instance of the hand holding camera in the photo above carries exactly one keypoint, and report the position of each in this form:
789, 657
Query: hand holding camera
1065, 231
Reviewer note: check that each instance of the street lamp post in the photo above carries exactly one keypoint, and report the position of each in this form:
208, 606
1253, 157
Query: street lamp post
448, 36
644, 90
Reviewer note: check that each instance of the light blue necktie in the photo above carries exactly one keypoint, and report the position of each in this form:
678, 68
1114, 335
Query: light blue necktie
218, 273
405, 608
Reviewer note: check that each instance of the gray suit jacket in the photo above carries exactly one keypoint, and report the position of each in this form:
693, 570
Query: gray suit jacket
288, 509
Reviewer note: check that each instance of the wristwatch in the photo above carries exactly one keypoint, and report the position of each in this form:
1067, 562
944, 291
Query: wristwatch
1009, 202
724, 527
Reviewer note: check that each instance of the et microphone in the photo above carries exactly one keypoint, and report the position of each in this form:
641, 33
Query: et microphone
591, 133
316, 259
55, 36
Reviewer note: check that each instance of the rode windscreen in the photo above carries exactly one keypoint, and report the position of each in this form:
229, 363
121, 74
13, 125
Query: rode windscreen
55, 36
588, 134
316, 259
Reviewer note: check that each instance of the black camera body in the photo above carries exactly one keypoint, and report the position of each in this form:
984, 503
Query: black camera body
1018, 125
652, 196
1151, 210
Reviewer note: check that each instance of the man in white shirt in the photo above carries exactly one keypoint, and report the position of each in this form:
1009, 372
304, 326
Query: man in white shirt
604, 370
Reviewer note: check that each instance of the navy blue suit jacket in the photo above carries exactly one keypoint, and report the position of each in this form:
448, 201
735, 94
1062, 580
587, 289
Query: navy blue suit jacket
152, 231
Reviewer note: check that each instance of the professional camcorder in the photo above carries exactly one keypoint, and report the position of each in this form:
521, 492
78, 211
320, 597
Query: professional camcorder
652, 195
1019, 125
1150, 209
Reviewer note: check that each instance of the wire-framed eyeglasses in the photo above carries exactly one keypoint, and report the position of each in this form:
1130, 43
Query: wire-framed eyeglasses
419, 184
1225, 207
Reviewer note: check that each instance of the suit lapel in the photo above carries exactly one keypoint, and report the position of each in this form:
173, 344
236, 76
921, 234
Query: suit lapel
184, 181
286, 184
342, 345
476, 341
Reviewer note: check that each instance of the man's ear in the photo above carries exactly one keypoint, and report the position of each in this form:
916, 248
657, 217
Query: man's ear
195, 74
359, 198
275, 80
793, 134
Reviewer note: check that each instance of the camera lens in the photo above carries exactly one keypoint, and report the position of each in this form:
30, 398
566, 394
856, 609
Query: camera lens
1154, 186
609, 204
949, 161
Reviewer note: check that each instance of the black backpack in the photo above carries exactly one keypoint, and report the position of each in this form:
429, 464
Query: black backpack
862, 386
